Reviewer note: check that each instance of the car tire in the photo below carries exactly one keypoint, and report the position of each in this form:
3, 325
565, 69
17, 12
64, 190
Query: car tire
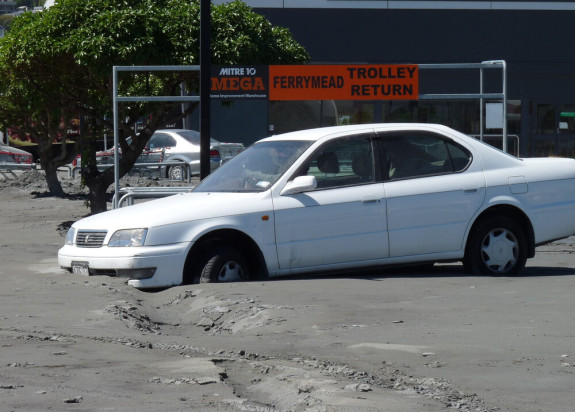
497, 245
223, 264
176, 172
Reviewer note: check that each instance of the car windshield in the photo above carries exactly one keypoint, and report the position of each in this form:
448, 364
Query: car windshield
255, 169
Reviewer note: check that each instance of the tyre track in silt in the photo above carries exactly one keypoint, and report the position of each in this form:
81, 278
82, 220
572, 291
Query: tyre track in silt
302, 382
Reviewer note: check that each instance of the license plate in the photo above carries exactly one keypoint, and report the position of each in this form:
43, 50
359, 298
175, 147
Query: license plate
80, 268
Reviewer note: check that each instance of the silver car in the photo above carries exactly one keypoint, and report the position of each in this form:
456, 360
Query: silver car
174, 145
182, 145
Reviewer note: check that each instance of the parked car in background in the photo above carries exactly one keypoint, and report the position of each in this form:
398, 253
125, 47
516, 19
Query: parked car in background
12, 156
106, 158
176, 145
181, 145
337, 199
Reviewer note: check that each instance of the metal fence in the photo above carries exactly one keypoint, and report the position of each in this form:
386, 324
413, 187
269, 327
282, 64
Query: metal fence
119, 99
8, 169
142, 169
10, 161
127, 195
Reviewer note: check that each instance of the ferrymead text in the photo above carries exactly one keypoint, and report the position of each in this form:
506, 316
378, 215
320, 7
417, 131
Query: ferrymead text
338, 82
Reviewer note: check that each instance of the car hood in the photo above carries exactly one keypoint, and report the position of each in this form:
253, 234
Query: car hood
175, 209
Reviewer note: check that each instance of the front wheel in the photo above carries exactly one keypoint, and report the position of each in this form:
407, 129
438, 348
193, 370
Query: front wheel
223, 264
497, 245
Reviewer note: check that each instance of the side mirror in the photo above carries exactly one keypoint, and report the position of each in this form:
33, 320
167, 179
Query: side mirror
299, 185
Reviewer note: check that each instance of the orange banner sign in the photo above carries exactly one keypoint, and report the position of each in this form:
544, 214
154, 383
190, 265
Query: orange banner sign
344, 82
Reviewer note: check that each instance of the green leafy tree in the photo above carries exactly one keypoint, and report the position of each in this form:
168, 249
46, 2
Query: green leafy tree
57, 64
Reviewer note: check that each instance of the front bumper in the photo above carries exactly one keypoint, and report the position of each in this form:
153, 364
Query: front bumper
168, 261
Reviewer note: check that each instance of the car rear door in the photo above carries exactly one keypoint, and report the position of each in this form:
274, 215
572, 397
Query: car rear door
344, 219
434, 187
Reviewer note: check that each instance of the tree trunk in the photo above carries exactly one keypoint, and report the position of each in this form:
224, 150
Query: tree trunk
98, 197
97, 183
54, 185
50, 166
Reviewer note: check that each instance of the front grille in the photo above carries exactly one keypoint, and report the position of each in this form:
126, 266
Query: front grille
90, 238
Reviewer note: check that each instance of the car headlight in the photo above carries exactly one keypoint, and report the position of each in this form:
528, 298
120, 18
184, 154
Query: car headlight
70, 236
128, 237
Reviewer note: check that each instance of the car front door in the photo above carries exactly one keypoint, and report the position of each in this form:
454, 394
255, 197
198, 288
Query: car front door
433, 189
343, 220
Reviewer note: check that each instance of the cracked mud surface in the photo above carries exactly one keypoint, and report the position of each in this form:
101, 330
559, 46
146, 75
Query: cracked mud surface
396, 341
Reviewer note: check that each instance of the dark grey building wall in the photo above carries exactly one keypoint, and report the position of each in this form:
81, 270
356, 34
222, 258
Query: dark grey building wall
239, 121
537, 45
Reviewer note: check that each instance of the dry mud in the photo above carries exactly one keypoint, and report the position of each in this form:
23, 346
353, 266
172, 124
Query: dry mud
295, 344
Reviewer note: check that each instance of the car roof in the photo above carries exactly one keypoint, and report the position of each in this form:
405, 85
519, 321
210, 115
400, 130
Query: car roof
317, 134
175, 130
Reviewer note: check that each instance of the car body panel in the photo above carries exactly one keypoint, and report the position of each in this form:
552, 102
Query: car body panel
409, 220
330, 220
168, 259
436, 207
546, 194
173, 233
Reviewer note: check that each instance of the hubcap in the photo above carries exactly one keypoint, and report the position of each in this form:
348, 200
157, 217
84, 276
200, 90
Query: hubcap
176, 173
499, 250
231, 272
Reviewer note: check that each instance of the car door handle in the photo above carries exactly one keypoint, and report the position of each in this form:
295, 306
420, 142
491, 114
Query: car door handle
370, 200
470, 190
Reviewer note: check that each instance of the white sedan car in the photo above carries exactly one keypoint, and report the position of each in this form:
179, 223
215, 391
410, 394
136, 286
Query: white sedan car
337, 199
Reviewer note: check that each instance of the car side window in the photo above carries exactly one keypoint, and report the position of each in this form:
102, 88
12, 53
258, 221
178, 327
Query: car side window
460, 158
170, 141
157, 141
342, 162
409, 155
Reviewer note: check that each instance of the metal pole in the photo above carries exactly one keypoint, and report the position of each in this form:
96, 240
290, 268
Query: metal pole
205, 69
481, 104
183, 105
504, 64
105, 137
116, 133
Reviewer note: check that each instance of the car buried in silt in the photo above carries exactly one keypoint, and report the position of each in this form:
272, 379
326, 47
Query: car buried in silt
337, 199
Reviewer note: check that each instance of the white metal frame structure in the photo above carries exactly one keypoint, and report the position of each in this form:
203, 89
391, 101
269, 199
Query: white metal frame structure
118, 99
491, 64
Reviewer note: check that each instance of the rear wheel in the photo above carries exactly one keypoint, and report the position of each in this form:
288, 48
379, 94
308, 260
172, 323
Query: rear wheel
223, 264
176, 172
497, 245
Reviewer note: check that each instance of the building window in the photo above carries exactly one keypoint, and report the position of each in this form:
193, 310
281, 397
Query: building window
545, 119
567, 119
